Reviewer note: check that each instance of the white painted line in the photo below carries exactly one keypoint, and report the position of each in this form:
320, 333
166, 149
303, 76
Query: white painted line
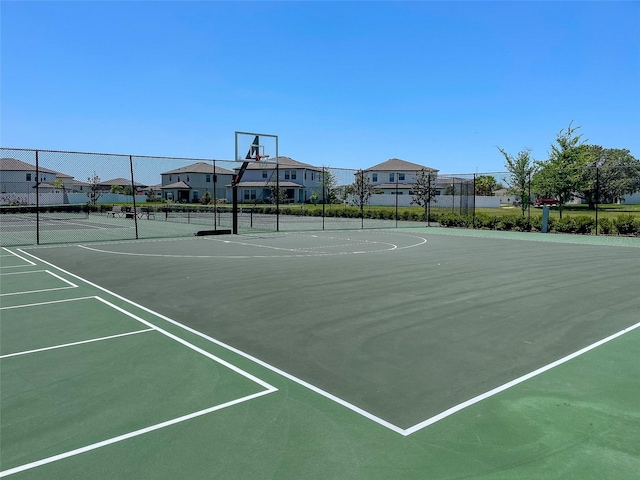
71, 285
305, 384
296, 252
26, 352
48, 303
518, 380
126, 436
364, 413
21, 258
191, 346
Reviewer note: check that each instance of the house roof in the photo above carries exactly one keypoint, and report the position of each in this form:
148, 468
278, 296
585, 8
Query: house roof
398, 165
176, 185
120, 181
13, 164
200, 167
283, 162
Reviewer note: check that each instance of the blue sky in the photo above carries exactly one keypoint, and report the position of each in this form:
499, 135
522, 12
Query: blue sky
343, 84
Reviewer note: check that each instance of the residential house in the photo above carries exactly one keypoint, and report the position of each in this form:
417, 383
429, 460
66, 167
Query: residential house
189, 183
119, 185
18, 182
396, 176
298, 180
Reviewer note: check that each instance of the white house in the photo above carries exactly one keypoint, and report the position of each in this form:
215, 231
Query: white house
191, 182
18, 181
396, 176
298, 180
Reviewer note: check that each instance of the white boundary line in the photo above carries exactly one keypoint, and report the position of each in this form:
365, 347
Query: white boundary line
518, 380
126, 436
26, 352
64, 280
47, 303
267, 387
30, 263
295, 252
405, 432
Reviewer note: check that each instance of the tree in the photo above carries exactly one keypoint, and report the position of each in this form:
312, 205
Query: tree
329, 183
559, 176
344, 192
277, 195
485, 185
424, 191
362, 191
520, 169
206, 198
59, 184
94, 192
611, 173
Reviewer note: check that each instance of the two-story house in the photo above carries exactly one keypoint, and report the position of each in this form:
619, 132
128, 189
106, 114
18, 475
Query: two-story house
189, 183
395, 176
18, 181
298, 180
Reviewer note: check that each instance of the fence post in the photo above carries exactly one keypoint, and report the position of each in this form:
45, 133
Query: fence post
473, 213
37, 199
597, 195
133, 193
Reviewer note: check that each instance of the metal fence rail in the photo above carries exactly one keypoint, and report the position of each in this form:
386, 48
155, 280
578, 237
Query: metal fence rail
52, 196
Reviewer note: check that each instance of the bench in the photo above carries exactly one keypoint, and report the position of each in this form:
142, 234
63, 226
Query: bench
115, 211
139, 212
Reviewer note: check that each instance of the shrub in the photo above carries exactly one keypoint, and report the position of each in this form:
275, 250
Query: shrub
584, 224
522, 224
606, 226
507, 222
454, 220
565, 225
626, 224
536, 223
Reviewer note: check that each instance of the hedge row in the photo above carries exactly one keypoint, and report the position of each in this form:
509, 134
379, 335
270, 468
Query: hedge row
625, 224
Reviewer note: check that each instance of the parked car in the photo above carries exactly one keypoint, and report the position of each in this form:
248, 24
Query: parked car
552, 202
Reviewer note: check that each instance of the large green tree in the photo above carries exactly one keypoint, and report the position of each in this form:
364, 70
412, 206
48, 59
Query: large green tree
559, 176
520, 168
610, 174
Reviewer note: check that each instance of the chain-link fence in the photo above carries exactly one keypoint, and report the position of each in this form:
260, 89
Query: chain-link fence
61, 197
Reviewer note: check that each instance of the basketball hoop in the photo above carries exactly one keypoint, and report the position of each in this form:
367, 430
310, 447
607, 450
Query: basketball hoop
256, 153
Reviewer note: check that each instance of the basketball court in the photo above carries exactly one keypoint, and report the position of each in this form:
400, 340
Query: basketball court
354, 354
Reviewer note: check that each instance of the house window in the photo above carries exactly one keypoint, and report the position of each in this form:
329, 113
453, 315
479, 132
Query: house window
187, 178
287, 174
392, 177
374, 177
401, 177
264, 174
28, 177
169, 177
208, 178
249, 194
293, 174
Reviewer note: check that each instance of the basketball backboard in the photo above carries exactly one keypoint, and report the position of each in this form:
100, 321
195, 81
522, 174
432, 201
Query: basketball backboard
256, 147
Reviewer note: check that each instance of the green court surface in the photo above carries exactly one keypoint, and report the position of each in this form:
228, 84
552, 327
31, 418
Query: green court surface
365, 354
